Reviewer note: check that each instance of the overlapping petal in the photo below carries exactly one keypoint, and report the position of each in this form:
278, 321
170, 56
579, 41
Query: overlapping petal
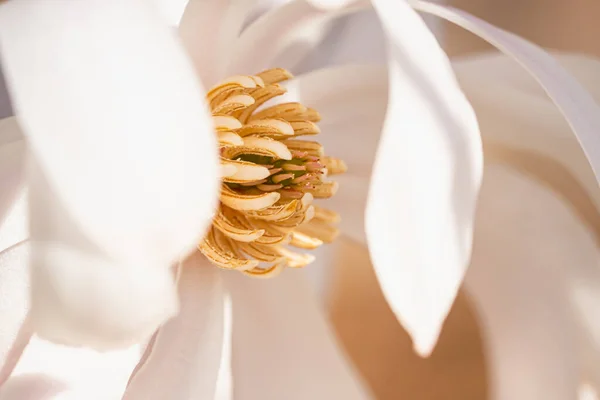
524, 130
117, 123
576, 104
513, 109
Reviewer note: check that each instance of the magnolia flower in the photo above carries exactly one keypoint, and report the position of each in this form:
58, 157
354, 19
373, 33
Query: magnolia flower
100, 271
123, 180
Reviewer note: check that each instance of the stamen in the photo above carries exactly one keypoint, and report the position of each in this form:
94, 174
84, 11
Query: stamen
270, 178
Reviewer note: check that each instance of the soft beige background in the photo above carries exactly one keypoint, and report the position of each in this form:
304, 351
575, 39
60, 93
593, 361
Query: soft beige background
365, 324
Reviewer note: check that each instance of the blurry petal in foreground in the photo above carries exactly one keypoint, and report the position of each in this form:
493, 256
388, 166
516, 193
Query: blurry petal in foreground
117, 123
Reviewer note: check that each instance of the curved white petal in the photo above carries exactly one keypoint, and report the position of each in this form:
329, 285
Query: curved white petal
183, 361
283, 347
513, 109
48, 371
352, 101
14, 303
425, 179
117, 123
200, 29
281, 37
210, 30
525, 241
576, 104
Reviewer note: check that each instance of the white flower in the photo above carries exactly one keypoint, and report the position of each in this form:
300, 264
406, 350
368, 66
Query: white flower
123, 181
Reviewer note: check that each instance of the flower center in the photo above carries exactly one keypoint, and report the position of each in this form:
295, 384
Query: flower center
271, 178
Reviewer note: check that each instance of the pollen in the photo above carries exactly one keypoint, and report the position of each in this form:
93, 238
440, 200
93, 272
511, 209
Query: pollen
272, 178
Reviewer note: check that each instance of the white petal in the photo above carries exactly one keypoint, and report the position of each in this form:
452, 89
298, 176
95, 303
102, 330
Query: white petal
14, 303
513, 109
352, 101
52, 372
117, 122
210, 29
425, 180
525, 240
281, 37
283, 347
183, 362
201, 26
80, 296
576, 104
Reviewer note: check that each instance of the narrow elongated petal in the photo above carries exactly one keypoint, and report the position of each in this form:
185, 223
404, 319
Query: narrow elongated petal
184, 359
425, 179
48, 371
127, 170
283, 348
576, 104
526, 241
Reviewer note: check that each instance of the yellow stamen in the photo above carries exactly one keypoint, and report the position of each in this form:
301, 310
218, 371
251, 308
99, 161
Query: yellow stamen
270, 178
